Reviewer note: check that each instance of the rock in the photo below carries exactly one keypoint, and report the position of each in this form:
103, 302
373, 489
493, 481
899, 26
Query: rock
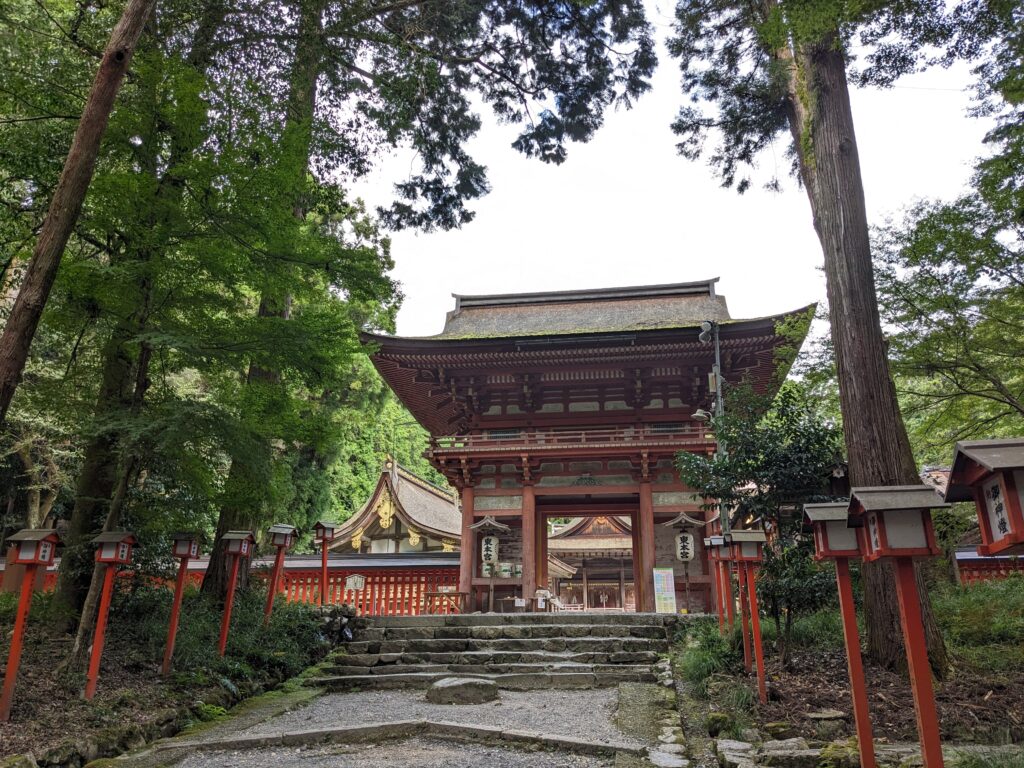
716, 723
730, 745
750, 734
19, 761
462, 690
736, 759
826, 714
675, 749
827, 730
777, 730
782, 745
667, 760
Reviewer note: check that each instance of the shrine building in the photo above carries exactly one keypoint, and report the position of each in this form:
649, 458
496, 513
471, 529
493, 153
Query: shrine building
573, 404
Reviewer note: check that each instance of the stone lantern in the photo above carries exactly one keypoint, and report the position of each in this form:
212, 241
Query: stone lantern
991, 474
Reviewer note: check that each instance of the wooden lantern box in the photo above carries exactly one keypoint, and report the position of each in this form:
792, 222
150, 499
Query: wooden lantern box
35, 546
747, 546
325, 532
239, 542
185, 545
282, 535
115, 547
832, 536
895, 521
991, 474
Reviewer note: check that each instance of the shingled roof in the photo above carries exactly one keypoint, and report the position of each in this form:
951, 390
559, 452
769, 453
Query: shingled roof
601, 310
420, 504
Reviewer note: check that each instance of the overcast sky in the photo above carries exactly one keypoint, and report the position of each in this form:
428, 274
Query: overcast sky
626, 209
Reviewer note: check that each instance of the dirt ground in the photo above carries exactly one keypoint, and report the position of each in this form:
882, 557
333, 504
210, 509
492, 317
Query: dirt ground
973, 707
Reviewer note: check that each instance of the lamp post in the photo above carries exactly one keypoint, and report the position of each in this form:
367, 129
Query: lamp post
325, 534
991, 474
238, 545
35, 548
896, 522
281, 536
186, 547
113, 548
747, 551
833, 540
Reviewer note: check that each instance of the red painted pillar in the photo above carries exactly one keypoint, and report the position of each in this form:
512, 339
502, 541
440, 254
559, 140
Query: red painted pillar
719, 594
529, 536
323, 574
744, 623
755, 626
172, 630
467, 548
858, 690
99, 635
647, 543
730, 601
917, 663
275, 575
638, 564
14, 657
229, 603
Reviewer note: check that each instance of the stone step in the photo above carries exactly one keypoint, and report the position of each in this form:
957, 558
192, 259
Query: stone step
493, 657
505, 619
556, 644
517, 631
461, 670
521, 682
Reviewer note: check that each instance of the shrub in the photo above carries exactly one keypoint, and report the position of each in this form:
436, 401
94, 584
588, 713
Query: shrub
705, 652
984, 622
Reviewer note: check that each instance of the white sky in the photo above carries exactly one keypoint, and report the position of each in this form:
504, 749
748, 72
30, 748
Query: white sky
626, 209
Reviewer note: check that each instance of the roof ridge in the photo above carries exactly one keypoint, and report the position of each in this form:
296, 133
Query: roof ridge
630, 291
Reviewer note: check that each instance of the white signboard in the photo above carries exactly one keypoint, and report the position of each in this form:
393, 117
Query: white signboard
664, 590
356, 582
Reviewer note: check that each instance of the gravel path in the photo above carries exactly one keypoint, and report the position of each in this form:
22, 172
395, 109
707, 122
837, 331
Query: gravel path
411, 753
583, 714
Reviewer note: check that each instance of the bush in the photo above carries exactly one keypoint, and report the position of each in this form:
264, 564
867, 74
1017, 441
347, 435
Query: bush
290, 643
705, 652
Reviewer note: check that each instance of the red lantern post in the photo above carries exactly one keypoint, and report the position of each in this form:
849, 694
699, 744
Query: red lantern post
186, 547
746, 552
991, 474
896, 522
834, 540
35, 548
281, 536
744, 618
238, 545
325, 533
113, 548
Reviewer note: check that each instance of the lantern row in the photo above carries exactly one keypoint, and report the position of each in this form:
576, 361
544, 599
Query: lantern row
36, 549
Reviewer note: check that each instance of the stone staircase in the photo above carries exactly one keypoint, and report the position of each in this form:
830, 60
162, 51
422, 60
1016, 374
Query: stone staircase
518, 651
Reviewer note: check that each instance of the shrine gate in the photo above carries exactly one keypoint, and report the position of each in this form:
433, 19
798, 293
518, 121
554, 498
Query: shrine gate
574, 404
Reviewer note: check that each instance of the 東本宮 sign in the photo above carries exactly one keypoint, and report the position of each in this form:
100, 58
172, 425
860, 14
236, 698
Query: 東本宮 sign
355, 582
684, 547
664, 590
489, 549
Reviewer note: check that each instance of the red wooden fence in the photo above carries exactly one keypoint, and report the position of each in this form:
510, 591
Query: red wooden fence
973, 571
385, 592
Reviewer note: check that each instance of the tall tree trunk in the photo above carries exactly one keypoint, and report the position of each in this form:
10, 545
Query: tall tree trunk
821, 121
124, 359
66, 204
236, 511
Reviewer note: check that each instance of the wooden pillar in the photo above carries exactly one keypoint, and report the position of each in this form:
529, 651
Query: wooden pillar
744, 623
586, 588
542, 553
855, 665
730, 601
529, 518
647, 544
622, 585
638, 581
917, 663
755, 627
467, 548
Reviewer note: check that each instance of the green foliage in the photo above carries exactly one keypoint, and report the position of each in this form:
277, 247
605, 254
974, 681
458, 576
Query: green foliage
706, 652
984, 623
290, 643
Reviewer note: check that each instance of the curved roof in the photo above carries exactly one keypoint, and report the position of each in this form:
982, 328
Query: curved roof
418, 503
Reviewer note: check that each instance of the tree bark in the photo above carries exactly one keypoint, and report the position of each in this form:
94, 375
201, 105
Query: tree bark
66, 204
878, 448
235, 514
